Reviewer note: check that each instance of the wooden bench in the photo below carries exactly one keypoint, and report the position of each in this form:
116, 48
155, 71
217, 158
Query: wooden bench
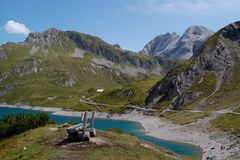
82, 131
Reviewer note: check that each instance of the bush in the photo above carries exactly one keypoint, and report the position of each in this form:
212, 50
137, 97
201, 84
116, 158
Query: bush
16, 124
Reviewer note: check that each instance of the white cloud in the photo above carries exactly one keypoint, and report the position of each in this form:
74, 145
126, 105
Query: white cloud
185, 6
16, 28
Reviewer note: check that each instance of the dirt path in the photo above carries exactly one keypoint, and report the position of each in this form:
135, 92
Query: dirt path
110, 105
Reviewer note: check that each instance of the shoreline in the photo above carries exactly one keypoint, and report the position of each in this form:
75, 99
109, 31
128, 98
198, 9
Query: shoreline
194, 134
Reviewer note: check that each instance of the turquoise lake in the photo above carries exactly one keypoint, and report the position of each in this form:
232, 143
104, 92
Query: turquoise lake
125, 126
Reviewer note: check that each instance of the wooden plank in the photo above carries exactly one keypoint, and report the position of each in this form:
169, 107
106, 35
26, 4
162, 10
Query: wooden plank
84, 124
76, 128
92, 122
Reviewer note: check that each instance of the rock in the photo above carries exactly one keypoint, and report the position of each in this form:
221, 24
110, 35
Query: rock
5, 90
28, 67
70, 82
2, 54
4, 75
64, 125
127, 93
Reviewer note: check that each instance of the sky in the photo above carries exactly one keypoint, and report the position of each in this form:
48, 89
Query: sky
130, 23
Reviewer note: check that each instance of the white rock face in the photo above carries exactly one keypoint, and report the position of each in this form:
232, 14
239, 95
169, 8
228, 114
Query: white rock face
172, 45
161, 44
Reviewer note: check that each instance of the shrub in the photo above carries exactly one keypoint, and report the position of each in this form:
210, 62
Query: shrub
16, 124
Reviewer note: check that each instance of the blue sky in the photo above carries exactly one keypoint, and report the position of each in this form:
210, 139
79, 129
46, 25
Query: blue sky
130, 23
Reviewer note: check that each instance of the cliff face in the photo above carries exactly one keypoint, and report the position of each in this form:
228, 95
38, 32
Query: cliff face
181, 47
204, 75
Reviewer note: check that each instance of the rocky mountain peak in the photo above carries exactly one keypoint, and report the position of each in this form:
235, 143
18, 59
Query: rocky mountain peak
47, 37
196, 33
172, 45
160, 44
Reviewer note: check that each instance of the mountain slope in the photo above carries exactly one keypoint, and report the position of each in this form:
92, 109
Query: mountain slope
208, 81
172, 45
58, 68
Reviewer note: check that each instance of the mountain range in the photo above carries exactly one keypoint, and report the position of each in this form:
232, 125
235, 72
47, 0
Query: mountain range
57, 68
173, 45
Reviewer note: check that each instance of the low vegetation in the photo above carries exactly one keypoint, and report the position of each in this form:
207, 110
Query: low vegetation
184, 117
16, 124
227, 122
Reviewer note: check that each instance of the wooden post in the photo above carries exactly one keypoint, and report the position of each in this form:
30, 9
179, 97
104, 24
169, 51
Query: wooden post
92, 123
82, 116
84, 125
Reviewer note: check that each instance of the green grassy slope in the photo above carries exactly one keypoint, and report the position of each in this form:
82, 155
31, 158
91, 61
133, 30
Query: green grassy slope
227, 122
133, 93
41, 144
49, 80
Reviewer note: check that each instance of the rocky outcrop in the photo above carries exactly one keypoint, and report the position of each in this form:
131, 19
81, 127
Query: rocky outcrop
5, 90
2, 54
4, 75
172, 45
71, 81
45, 39
127, 93
215, 56
28, 67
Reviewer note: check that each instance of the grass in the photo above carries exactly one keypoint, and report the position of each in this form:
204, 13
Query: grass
184, 117
205, 87
40, 144
138, 91
182, 66
164, 105
237, 110
227, 122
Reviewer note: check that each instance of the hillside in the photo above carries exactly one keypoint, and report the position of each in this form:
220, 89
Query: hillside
58, 68
208, 81
48, 143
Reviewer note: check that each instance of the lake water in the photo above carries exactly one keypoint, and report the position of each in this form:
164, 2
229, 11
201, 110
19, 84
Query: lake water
125, 126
